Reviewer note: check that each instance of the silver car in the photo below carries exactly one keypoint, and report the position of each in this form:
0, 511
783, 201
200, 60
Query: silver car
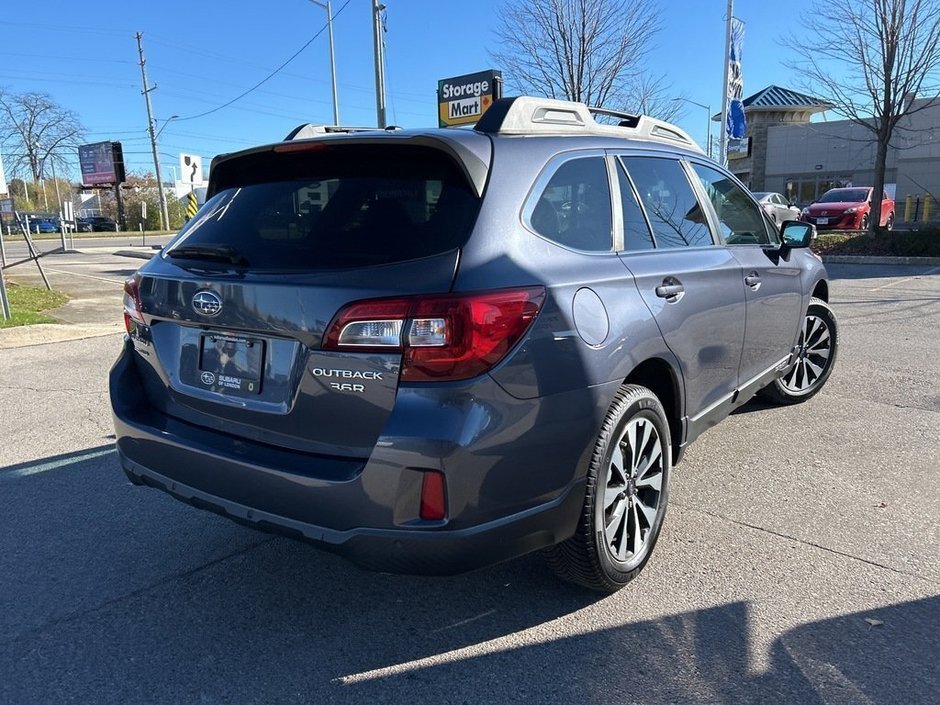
777, 207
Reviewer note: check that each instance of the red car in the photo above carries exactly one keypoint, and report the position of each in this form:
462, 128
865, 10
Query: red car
847, 209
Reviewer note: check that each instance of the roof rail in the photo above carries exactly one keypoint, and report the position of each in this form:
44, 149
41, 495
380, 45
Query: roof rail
525, 115
310, 129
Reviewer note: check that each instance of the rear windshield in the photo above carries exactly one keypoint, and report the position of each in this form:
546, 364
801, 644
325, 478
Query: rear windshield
852, 195
336, 206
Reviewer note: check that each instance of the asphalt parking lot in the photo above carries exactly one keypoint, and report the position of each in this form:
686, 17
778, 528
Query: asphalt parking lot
799, 562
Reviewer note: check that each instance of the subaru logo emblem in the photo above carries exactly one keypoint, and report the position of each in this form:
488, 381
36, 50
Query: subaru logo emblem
207, 303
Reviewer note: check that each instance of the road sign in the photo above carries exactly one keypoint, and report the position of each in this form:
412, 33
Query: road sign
191, 205
462, 100
191, 169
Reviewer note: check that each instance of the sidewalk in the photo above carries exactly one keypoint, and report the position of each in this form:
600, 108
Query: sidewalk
94, 281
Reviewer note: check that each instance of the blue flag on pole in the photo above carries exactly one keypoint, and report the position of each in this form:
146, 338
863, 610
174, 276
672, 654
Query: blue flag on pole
737, 123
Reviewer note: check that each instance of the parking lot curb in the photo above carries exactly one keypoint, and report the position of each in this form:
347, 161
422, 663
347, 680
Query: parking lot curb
46, 333
868, 259
139, 254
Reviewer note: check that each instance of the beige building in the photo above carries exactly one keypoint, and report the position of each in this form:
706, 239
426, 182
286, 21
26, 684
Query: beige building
801, 159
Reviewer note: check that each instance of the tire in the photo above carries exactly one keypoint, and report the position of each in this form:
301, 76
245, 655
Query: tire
889, 225
864, 223
618, 530
818, 346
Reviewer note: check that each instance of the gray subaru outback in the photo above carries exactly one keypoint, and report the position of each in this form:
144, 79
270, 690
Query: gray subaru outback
432, 350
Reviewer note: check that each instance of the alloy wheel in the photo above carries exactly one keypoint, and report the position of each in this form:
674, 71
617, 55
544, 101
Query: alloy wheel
633, 489
813, 358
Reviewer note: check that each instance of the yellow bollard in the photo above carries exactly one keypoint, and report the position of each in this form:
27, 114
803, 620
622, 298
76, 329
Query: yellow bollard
908, 208
927, 203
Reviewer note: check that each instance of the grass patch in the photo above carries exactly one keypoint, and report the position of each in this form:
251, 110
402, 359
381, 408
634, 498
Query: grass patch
923, 243
27, 304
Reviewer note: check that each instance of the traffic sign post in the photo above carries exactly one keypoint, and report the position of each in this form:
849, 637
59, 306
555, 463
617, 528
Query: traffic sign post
4, 300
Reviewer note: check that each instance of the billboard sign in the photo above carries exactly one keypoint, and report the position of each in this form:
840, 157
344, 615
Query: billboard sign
101, 163
462, 100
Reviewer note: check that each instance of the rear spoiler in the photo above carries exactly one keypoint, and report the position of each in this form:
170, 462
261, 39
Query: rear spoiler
471, 152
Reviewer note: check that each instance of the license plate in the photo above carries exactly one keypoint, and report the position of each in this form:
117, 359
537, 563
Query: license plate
822, 221
231, 364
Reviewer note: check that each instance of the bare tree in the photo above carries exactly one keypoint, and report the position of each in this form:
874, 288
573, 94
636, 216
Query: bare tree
592, 51
870, 58
41, 130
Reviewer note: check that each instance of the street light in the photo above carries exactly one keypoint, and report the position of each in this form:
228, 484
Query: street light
708, 110
165, 123
329, 26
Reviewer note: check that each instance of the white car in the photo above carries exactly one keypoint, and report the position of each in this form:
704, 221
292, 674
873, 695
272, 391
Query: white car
777, 207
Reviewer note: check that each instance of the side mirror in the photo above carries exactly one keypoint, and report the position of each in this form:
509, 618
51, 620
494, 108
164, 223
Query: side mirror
797, 234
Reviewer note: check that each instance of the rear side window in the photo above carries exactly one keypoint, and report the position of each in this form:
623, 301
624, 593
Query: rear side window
742, 222
673, 211
336, 206
574, 207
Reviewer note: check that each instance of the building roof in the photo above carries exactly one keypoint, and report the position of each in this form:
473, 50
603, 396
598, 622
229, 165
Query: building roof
777, 98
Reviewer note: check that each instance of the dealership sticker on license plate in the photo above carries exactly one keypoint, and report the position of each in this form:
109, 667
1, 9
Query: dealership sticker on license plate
231, 364
822, 221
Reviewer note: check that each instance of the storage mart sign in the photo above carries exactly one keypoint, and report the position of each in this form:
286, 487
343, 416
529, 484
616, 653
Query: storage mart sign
463, 99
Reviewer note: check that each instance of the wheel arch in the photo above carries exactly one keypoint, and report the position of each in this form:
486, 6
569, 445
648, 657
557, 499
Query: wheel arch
821, 290
661, 378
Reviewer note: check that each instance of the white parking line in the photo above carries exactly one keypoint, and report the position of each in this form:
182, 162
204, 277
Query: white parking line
118, 282
53, 465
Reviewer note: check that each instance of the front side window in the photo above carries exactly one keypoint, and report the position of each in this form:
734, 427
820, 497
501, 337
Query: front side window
574, 208
742, 222
675, 215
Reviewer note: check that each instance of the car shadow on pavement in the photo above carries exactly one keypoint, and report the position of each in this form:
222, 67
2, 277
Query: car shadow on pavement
111, 593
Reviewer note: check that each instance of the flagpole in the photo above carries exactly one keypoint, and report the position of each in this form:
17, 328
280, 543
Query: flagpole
723, 151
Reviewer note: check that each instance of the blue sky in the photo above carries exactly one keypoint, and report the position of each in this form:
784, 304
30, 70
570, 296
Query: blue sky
201, 55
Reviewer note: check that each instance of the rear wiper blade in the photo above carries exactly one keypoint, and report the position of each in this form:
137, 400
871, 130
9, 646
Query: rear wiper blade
212, 253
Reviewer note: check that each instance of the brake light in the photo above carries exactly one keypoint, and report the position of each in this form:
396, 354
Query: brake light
443, 338
133, 310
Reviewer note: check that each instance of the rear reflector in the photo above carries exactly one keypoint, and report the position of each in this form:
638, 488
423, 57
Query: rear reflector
443, 338
433, 499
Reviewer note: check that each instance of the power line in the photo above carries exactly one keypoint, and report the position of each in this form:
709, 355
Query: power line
270, 75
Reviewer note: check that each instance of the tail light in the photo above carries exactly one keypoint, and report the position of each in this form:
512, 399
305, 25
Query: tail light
442, 338
133, 314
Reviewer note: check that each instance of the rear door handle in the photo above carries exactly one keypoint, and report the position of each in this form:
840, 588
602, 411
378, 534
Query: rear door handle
668, 291
752, 280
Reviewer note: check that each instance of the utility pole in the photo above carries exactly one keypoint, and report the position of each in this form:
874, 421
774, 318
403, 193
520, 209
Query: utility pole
164, 215
377, 10
723, 153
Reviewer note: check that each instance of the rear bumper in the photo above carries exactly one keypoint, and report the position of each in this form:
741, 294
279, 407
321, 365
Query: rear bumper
437, 552
366, 509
